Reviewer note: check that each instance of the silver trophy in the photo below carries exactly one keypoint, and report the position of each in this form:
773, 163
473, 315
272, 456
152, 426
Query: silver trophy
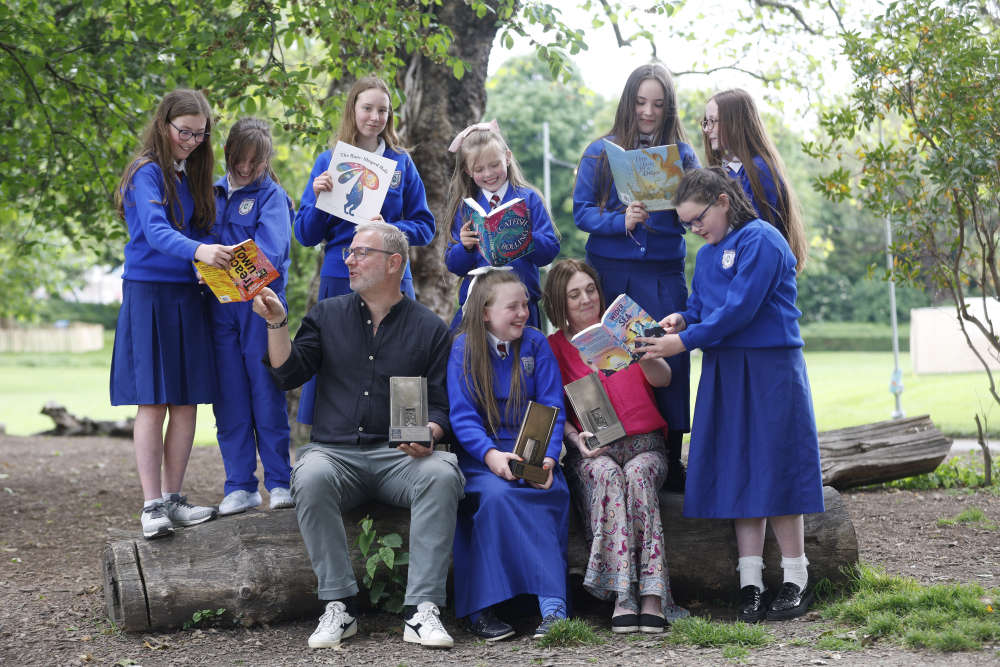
532, 442
593, 408
408, 411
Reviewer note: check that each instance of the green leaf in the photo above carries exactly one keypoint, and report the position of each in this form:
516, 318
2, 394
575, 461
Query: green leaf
388, 556
371, 564
391, 540
365, 542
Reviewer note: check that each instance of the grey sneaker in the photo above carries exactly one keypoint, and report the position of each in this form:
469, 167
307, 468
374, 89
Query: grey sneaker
281, 498
155, 522
239, 501
183, 513
335, 624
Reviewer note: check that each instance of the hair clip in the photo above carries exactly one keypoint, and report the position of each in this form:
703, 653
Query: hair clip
475, 273
456, 143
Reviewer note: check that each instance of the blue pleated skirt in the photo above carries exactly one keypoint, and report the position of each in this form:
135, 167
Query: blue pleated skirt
510, 539
754, 450
163, 346
660, 289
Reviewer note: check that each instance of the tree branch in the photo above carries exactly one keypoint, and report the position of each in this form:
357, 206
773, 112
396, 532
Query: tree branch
735, 68
782, 6
614, 24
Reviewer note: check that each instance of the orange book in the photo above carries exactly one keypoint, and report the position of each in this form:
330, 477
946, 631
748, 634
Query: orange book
249, 272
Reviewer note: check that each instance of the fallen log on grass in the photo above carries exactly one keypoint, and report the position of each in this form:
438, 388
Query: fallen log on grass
255, 566
881, 452
68, 424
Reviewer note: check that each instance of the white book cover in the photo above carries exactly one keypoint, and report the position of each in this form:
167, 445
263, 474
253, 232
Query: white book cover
360, 182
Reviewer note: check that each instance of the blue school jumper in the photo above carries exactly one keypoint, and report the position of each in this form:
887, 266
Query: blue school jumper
766, 210
250, 411
405, 207
510, 538
460, 261
163, 343
754, 449
648, 265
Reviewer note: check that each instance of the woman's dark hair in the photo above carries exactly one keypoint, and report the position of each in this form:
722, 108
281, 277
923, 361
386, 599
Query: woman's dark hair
704, 187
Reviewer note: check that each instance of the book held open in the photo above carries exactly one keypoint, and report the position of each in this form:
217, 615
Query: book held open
504, 232
650, 175
609, 345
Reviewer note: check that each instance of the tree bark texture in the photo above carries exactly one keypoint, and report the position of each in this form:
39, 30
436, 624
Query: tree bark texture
437, 107
881, 452
255, 566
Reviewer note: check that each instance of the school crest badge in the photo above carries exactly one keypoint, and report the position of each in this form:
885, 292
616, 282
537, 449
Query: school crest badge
246, 206
397, 178
728, 257
528, 363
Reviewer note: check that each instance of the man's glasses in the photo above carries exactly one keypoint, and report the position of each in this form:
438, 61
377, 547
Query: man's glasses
360, 252
188, 135
708, 123
697, 220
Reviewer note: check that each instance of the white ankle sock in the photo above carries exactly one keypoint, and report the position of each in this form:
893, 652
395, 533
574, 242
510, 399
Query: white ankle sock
795, 570
751, 569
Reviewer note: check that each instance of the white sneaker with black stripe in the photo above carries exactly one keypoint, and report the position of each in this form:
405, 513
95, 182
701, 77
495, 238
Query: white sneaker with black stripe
334, 625
425, 627
155, 521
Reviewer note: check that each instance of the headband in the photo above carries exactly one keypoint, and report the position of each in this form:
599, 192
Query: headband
475, 273
456, 143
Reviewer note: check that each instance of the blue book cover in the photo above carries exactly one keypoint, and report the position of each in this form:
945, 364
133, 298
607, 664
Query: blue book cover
504, 232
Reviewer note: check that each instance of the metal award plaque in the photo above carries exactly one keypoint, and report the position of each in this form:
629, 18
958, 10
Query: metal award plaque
593, 408
532, 442
408, 411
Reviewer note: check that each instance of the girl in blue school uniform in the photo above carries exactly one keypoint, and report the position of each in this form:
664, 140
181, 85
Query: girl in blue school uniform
735, 139
635, 251
250, 412
367, 123
485, 170
511, 535
754, 452
162, 360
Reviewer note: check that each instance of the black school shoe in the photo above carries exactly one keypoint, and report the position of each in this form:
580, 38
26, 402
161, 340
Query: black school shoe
546, 626
791, 602
489, 627
624, 623
753, 605
651, 624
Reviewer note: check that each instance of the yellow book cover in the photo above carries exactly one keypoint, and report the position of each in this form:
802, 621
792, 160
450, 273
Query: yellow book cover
249, 272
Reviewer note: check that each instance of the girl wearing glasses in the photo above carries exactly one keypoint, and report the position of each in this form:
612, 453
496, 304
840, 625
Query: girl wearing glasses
163, 360
754, 450
735, 138
250, 412
635, 251
367, 123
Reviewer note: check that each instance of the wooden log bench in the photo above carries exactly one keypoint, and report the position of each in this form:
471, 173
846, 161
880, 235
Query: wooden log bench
255, 566
881, 452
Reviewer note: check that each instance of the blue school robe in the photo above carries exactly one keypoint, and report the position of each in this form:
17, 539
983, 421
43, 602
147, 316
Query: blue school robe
460, 261
510, 537
754, 450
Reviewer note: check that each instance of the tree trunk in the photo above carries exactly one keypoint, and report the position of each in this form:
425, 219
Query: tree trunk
437, 107
881, 452
255, 566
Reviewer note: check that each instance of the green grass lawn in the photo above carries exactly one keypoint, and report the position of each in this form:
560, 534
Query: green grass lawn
849, 388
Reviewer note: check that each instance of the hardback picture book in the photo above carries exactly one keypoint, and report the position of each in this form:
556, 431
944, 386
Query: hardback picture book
650, 175
249, 272
504, 232
360, 183
610, 344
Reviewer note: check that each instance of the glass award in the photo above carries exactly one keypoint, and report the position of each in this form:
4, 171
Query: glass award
408, 411
593, 408
533, 441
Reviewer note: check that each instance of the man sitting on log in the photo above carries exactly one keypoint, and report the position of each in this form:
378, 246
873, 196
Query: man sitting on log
353, 344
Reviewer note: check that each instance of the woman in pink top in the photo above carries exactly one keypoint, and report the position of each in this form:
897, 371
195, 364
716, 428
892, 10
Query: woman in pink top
615, 487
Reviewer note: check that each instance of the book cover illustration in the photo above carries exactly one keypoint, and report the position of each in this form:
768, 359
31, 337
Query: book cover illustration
650, 175
360, 183
609, 345
249, 272
504, 232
